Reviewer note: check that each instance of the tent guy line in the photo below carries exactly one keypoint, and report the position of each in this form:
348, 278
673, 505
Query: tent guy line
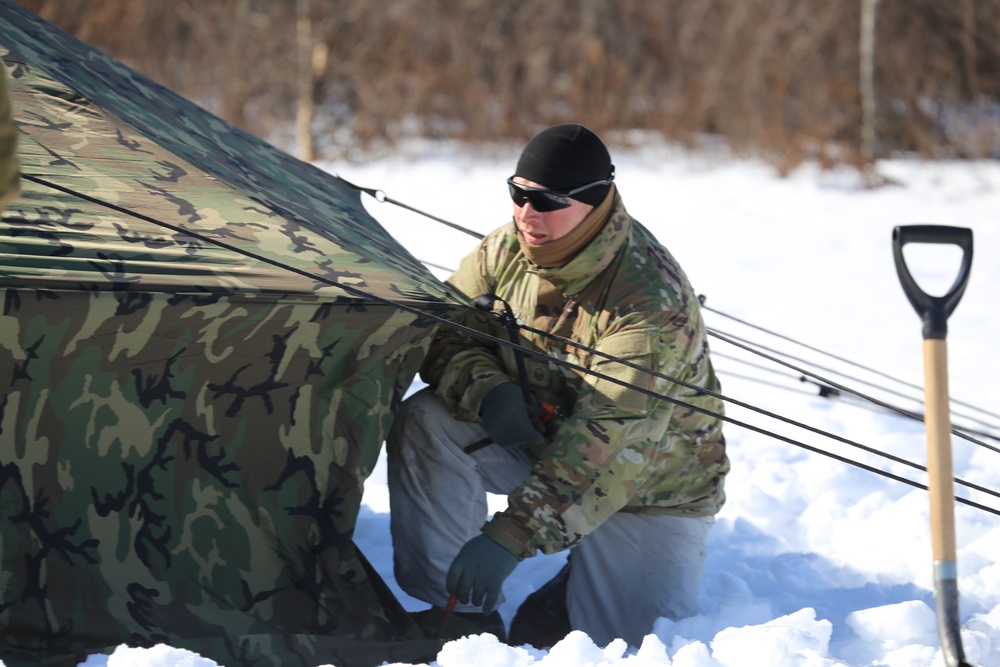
755, 348
869, 369
222, 244
830, 390
746, 345
581, 369
742, 404
381, 197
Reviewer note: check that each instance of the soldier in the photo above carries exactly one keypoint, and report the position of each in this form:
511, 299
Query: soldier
9, 174
626, 480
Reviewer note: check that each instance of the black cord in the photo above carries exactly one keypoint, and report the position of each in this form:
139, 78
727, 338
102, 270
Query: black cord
911, 385
737, 342
825, 390
380, 196
742, 404
525, 350
753, 347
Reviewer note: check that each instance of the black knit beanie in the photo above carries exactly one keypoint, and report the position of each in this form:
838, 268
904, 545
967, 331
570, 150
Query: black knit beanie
564, 157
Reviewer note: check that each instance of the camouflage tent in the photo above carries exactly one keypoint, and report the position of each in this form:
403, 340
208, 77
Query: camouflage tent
202, 344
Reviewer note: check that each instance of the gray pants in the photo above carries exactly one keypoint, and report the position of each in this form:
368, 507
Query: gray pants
631, 570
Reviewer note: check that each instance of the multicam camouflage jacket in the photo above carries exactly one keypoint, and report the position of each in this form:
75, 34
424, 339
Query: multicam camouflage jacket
615, 448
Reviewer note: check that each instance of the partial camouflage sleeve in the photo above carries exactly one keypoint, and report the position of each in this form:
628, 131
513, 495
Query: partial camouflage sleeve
619, 443
461, 368
9, 174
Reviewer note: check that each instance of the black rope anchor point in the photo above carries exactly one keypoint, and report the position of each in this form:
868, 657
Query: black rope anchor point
823, 390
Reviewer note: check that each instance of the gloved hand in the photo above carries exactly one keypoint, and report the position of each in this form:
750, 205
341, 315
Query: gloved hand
478, 572
505, 417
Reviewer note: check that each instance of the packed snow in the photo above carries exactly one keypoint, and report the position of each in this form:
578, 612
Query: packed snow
813, 562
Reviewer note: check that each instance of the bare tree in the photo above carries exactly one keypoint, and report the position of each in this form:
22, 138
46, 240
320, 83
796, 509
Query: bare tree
786, 79
867, 54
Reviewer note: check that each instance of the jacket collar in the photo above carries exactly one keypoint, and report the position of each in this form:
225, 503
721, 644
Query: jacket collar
573, 277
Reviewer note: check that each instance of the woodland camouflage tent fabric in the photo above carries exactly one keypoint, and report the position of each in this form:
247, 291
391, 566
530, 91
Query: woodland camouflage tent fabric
199, 360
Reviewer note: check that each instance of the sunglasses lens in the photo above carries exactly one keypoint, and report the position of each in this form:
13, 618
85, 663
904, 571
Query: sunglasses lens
549, 201
518, 195
542, 201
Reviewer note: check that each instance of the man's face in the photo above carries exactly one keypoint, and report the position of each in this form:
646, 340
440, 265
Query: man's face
538, 228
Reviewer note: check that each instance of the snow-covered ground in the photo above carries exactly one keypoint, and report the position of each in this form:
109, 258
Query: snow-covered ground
813, 562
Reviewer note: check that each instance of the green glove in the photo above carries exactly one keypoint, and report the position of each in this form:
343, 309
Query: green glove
505, 417
478, 572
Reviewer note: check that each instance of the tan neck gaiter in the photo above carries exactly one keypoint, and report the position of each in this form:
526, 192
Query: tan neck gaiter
558, 253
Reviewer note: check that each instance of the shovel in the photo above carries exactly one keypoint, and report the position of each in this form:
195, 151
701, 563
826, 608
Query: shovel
934, 312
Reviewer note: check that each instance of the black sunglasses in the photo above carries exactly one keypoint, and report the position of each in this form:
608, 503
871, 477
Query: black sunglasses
544, 200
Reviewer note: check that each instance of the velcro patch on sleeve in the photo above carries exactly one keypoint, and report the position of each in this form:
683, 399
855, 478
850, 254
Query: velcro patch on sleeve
636, 347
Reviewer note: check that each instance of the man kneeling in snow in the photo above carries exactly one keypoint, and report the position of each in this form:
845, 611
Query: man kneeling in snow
629, 481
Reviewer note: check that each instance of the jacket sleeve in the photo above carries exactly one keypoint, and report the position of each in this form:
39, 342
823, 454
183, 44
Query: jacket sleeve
9, 174
462, 368
616, 438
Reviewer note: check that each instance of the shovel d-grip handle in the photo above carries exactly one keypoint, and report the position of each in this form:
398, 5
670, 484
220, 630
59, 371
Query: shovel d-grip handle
933, 310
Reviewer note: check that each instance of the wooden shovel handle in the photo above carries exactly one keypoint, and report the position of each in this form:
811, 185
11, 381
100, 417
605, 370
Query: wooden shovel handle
939, 460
